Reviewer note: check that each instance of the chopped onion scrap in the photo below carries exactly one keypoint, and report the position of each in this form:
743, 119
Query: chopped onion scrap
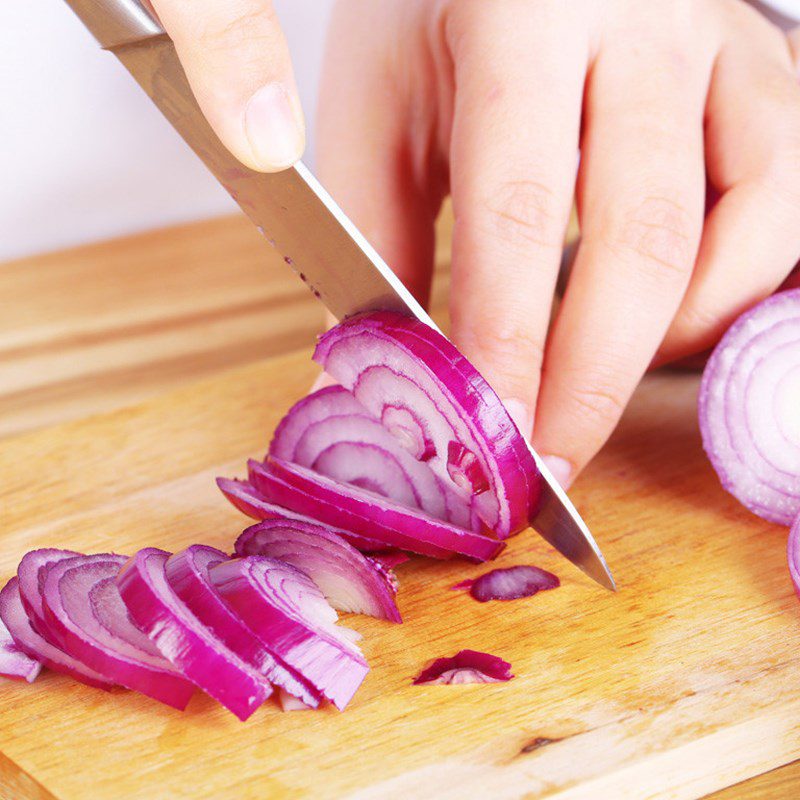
749, 408
509, 583
466, 666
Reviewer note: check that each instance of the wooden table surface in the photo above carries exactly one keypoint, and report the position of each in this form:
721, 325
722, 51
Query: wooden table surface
104, 326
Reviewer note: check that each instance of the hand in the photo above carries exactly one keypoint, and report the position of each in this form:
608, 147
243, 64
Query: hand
237, 62
490, 102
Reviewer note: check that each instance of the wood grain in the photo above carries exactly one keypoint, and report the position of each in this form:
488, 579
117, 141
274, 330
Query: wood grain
682, 683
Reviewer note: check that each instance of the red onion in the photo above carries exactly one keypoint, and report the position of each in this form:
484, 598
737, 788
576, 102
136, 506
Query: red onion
183, 640
187, 574
350, 581
389, 559
251, 502
466, 666
402, 368
12, 612
287, 611
31, 580
84, 614
749, 408
14, 663
794, 554
509, 583
349, 446
352, 509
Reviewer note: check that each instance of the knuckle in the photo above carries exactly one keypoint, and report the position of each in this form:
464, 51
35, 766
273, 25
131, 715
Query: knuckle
239, 28
521, 214
597, 402
658, 233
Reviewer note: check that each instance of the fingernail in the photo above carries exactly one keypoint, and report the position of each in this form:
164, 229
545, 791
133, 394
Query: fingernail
272, 127
521, 414
561, 469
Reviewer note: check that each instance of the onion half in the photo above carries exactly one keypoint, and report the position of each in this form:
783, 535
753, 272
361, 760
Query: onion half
187, 573
14, 617
749, 408
287, 611
466, 666
84, 614
350, 581
366, 514
183, 640
400, 369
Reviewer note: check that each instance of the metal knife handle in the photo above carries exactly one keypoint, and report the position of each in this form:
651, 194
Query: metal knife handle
118, 22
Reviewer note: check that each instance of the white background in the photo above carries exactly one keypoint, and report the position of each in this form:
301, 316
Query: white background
83, 153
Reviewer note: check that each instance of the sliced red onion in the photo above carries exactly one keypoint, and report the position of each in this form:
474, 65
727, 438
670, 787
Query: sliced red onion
464, 469
349, 508
350, 581
33, 645
351, 447
384, 356
748, 408
31, 580
14, 663
84, 613
389, 559
408, 431
187, 574
509, 583
794, 554
287, 611
183, 640
466, 666
250, 501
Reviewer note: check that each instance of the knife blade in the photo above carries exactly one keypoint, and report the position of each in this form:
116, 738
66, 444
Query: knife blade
304, 224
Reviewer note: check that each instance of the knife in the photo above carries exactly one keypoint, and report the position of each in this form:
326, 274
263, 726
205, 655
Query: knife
336, 262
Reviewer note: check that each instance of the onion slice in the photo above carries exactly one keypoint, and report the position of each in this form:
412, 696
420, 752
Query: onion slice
187, 574
30, 572
509, 583
356, 510
749, 408
183, 640
287, 611
466, 666
400, 367
350, 581
13, 615
794, 554
85, 615
14, 663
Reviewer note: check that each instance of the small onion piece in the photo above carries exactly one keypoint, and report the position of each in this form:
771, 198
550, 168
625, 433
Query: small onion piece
183, 640
392, 363
287, 611
85, 615
749, 408
794, 554
466, 666
14, 662
350, 508
350, 581
509, 583
187, 573
14, 617
251, 502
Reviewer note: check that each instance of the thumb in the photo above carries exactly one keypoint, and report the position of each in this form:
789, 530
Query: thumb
237, 62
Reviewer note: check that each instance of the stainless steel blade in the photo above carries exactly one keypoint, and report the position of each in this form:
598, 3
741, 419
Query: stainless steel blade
300, 219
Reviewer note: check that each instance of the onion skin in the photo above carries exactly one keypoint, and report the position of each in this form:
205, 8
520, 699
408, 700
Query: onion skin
745, 411
275, 600
183, 640
352, 348
117, 658
12, 612
793, 550
187, 573
466, 666
349, 508
251, 502
350, 581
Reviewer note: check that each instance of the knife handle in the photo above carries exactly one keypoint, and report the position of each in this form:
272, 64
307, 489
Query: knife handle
115, 23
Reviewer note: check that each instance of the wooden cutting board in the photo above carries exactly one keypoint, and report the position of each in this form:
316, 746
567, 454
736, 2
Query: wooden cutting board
683, 682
